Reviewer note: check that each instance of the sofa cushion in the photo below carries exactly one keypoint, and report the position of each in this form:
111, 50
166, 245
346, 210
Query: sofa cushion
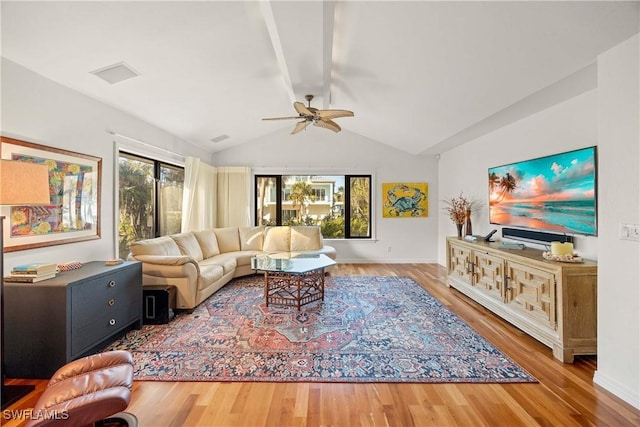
208, 243
251, 238
277, 239
228, 239
305, 238
226, 261
209, 274
188, 245
164, 245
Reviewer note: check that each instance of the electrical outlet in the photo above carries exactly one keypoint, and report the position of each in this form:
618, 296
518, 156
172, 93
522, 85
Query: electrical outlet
388, 248
630, 232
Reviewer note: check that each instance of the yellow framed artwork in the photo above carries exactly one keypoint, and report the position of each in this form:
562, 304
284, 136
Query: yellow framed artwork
405, 200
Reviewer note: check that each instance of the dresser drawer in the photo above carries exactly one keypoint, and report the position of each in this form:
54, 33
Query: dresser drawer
102, 306
103, 325
91, 300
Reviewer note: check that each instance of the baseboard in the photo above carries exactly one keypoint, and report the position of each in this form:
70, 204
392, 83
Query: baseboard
632, 397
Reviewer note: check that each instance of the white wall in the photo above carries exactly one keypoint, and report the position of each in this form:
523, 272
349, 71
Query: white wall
607, 117
569, 125
619, 197
38, 110
320, 151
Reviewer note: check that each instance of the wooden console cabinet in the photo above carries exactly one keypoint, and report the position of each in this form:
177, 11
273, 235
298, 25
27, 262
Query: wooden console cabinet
554, 302
53, 322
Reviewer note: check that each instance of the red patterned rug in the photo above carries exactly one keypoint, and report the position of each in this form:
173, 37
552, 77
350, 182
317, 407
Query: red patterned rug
368, 329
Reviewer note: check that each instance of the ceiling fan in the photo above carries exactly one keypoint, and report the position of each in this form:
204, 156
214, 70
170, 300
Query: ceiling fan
308, 114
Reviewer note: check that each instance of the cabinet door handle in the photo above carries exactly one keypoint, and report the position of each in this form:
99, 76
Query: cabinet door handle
112, 322
470, 267
507, 281
111, 302
112, 283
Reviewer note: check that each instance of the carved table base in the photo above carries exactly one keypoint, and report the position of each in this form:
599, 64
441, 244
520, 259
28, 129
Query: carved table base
293, 289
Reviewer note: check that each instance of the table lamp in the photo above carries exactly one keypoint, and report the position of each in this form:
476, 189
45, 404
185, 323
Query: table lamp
21, 184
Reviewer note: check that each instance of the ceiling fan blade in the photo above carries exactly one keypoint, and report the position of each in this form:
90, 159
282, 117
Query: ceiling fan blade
281, 118
301, 109
332, 114
328, 124
300, 126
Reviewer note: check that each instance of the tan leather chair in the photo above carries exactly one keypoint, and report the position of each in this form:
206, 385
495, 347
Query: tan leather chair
88, 391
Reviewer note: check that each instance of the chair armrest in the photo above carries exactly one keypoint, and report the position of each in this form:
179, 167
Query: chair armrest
92, 363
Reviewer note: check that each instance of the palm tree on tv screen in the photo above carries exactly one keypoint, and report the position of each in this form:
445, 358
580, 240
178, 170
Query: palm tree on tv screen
501, 186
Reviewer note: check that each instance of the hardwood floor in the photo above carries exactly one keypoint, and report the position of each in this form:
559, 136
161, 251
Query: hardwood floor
564, 396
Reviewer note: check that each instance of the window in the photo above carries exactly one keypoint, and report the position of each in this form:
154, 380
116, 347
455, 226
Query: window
339, 204
150, 199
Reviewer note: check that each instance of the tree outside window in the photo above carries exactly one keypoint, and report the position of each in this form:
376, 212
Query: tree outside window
316, 200
150, 200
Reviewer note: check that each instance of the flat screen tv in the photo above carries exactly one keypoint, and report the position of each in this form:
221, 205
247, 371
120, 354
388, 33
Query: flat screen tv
554, 193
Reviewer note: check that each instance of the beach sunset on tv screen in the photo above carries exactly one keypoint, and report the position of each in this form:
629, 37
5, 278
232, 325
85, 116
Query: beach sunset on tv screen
553, 193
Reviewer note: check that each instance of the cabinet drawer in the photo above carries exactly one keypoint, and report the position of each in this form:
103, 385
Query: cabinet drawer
102, 306
106, 324
91, 299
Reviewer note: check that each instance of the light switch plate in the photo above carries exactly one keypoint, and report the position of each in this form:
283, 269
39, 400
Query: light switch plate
630, 232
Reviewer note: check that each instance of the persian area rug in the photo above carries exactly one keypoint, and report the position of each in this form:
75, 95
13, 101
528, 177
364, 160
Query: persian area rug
367, 329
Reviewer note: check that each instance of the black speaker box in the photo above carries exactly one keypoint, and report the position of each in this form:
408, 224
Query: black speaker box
535, 236
158, 303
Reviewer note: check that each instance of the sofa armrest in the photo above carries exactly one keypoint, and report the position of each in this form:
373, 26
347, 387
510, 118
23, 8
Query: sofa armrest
164, 259
169, 266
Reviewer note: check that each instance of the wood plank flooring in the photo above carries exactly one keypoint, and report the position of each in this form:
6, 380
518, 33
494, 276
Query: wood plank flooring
564, 396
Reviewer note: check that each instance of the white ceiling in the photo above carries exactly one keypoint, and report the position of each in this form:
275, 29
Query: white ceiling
415, 73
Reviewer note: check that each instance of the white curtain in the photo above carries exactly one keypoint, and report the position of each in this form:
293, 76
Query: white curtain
199, 197
234, 197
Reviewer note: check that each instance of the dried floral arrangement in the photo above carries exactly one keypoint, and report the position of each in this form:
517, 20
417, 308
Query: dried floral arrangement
457, 208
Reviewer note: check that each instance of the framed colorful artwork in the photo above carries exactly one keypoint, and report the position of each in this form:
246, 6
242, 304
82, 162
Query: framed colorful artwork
74, 187
405, 200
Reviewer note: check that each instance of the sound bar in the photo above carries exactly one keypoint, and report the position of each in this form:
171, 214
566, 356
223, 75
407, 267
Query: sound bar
535, 236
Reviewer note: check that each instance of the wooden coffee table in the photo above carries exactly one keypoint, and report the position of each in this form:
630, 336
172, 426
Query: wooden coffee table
292, 281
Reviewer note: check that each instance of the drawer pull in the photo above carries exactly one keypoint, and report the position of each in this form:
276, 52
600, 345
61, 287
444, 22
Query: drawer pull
111, 302
112, 322
112, 283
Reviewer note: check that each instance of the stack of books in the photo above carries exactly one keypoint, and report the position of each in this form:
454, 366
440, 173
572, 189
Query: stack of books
32, 273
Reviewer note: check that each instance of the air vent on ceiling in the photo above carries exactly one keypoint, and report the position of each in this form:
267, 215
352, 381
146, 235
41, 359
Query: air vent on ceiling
116, 73
219, 138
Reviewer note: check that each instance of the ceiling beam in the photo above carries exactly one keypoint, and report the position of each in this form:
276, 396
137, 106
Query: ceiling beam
269, 19
328, 15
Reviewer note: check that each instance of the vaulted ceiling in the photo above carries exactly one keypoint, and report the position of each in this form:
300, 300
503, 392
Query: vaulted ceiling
415, 73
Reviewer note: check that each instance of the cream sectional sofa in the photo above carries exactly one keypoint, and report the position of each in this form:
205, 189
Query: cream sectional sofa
198, 263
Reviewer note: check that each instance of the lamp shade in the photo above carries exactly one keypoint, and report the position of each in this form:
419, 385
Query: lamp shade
23, 183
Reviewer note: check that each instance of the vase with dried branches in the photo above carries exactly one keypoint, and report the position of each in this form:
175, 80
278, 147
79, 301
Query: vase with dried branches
459, 210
